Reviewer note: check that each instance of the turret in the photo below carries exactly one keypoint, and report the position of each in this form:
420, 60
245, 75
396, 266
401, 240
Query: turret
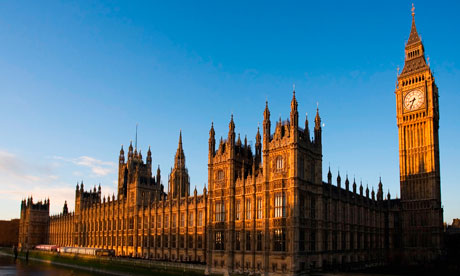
307, 130
65, 210
130, 151
339, 180
294, 116
317, 128
258, 153
178, 179
122, 156
180, 157
158, 178
380, 190
354, 185
266, 126
149, 158
212, 141
329, 176
231, 133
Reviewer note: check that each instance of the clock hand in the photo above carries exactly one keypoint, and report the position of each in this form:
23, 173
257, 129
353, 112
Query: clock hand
412, 102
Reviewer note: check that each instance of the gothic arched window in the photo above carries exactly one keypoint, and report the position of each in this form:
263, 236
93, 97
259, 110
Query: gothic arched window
220, 175
279, 163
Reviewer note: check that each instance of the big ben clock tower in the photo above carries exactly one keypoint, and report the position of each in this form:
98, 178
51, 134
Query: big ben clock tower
418, 123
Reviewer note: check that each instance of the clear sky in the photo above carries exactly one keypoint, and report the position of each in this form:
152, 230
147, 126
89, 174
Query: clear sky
76, 77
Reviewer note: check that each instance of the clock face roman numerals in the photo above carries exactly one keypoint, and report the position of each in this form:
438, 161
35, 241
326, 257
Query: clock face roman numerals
414, 100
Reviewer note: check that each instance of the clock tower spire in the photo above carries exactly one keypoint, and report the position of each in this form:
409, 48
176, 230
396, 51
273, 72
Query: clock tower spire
418, 123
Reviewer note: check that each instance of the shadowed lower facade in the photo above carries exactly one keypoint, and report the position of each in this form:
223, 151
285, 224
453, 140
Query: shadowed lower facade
267, 210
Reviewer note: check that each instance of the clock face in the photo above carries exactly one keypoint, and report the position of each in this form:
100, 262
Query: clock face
414, 100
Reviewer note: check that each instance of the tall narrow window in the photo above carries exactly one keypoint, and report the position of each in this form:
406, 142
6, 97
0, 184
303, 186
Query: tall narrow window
200, 242
248, 241
200, 218
279, 240
259, 241
190, 220
280, 205
237, 240
248, 208
259, 208
182, 220
238, 210
174, 220
220, 175
219, 240
220, 211
279, 163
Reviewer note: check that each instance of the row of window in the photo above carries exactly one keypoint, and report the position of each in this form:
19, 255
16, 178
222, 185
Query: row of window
278, 240
280, 208
279, 165
152, 241
413, 80
119, 224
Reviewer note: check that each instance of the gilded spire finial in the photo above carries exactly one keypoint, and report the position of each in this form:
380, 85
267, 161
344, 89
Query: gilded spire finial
413, 10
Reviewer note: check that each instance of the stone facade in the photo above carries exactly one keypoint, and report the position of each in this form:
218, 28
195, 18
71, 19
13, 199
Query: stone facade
34, 223
420, 182
9, 232
267, 210
271, 213
143, 221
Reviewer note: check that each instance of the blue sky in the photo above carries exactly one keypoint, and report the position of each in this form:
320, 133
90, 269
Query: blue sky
76, 77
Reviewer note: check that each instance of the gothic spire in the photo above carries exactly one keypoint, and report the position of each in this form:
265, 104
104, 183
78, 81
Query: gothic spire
231, 125
258, 138
212, 140
180, 157
317, 119
266, 112
294, 103
413, 37
294, 113
212, 133
231, 132
307, 130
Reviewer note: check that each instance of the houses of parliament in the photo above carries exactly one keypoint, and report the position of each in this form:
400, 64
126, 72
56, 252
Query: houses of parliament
266, 210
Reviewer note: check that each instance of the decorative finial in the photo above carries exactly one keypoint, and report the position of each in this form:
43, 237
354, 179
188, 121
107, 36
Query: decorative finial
293, 87
397, 70
413, 10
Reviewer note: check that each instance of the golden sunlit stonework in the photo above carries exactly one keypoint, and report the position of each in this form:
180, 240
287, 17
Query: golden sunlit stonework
267, 210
